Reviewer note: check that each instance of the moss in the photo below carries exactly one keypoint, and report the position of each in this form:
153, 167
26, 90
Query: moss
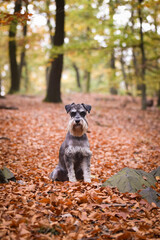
130, 180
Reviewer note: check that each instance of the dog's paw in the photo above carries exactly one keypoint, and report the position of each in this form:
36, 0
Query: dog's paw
72, 179
87, 180
53, 175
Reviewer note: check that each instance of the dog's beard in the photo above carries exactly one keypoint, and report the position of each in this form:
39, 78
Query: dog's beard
79, 129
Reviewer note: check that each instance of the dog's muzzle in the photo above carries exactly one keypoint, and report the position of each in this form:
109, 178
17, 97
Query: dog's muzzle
77, 121
77, 127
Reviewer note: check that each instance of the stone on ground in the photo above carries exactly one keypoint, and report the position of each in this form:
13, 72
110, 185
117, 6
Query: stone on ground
130, 180
8, 175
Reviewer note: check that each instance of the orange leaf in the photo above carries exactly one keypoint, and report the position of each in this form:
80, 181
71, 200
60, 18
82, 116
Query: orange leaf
45, 200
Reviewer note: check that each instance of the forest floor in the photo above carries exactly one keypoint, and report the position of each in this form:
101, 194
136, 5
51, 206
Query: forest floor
120, 135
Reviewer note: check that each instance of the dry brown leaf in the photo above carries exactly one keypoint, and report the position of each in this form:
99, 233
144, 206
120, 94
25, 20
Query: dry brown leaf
33, 208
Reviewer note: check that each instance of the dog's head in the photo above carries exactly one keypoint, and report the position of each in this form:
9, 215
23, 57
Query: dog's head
78, 124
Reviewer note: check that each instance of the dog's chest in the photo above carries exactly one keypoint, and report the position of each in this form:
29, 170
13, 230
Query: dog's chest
78, 151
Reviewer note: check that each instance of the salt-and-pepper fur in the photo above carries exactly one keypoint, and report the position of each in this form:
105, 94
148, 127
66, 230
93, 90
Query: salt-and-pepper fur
74, 154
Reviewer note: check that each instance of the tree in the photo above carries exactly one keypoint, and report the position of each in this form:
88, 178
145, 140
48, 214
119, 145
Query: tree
15, 77
23, 61
54, 84
123, 70
134, 57
112, 50
77, 75
143, 57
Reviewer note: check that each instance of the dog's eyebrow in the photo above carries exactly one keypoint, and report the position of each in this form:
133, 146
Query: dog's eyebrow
73, 110
82, 110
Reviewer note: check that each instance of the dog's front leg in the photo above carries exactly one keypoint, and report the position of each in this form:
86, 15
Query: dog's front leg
86, 169
53, 175
70, 169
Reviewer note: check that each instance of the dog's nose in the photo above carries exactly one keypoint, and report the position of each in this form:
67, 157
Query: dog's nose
77, 121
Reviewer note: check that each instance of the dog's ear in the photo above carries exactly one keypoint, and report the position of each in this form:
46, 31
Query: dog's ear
87, 107
68, 107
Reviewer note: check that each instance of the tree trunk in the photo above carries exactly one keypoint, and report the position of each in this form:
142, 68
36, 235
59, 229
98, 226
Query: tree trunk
77, 75
123, 70
53, 90
26, 79
112, 53
23, 52
15, 78
111, 16
0, 83
143, 59
156, 53
50, 28
88, 80
112, 61
158, 101
134, 57
133, 48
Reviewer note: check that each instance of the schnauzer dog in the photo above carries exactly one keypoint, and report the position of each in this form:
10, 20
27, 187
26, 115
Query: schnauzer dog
74, 154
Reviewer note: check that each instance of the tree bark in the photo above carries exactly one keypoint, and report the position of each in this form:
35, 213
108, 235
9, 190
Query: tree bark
111, 15
112, 61
156, 53
143, 59
77, 75
26, 79
0, 83
15, 78
88, 80
123, 70
23, 52
54, 84
158, 100
50, 28
133, 48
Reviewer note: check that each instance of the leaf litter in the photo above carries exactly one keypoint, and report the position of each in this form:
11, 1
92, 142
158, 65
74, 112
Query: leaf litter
35, 208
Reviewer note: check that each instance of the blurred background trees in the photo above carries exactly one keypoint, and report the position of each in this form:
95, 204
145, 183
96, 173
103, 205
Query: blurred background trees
106, 46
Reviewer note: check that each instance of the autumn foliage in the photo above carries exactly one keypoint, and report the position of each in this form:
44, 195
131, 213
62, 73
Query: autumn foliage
120, 135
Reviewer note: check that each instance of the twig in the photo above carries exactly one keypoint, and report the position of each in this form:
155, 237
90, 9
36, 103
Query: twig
8, 108
119, 205
5, 138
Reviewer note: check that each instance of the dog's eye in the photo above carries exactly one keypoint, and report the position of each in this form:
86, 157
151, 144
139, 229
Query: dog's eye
73, 114
83, 114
